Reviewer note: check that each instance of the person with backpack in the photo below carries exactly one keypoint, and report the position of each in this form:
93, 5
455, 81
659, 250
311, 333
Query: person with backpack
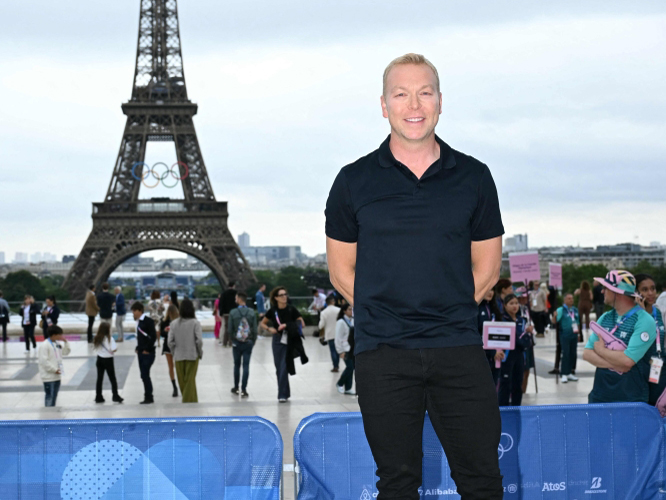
567, 319
242, 330
105, 347
344, 344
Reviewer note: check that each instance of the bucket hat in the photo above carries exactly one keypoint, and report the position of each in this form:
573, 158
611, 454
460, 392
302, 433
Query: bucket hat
622, 282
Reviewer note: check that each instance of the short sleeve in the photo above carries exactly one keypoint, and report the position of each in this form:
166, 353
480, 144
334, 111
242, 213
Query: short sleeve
487, 220
559, 314
341, 224
591, 340
645, 333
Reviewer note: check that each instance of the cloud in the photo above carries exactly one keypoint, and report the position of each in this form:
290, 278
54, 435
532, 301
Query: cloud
564, 102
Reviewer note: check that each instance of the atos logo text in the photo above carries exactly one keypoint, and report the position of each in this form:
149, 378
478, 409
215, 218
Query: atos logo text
554, 486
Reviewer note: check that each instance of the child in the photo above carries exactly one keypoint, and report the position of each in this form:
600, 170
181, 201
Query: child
50, 355
105, 347
513, 366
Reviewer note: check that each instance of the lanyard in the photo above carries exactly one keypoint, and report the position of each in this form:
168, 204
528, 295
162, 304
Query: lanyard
633, 311
656, 323
277, 318
570, 312
348, 321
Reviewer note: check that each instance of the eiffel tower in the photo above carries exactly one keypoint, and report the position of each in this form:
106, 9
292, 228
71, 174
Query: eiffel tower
159, 110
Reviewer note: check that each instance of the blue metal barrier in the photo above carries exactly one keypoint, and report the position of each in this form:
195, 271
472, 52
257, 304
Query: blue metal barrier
553, 452
176, 458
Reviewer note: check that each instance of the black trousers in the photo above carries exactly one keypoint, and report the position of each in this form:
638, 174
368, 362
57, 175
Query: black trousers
280, 360
91, 321
106, 365
511, 379
145, 362
346, 380
4, 331
29, 336
397, 386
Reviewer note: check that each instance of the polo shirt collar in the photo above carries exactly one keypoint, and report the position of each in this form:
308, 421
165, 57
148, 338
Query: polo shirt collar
446, 159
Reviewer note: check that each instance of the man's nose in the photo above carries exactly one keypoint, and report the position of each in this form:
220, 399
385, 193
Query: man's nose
414, 102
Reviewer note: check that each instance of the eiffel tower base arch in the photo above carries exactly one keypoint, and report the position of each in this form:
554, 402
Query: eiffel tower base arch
197, 229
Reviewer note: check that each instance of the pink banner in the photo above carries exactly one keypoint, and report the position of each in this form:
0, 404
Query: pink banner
524, 267
555, 275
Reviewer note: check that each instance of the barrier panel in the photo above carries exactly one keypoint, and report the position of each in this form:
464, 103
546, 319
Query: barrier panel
176, 458
613, 451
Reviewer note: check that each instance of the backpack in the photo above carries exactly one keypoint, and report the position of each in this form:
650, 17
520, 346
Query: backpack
243, 330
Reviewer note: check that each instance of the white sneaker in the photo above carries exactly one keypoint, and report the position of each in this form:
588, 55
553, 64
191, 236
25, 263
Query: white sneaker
341, 389
564, 379
282, 400
351, 392
27, 350
573, 378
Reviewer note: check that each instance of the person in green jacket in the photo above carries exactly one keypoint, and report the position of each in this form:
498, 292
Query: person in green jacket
242, 330
568, 319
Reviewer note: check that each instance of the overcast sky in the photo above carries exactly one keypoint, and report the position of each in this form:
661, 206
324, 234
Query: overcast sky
565, 101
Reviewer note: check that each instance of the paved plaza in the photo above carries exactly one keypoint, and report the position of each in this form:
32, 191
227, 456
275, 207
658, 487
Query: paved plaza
312, 388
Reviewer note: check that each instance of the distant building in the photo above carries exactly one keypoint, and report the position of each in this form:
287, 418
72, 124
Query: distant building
516, 243
21, 258
244, 240
2, 257
68, 258
267, 256
36, 258
620, 256
49, 257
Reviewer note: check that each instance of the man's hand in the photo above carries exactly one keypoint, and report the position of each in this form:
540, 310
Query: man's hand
342, 355
600, 347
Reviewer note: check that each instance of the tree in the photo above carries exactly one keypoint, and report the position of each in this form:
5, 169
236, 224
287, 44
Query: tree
53, 286
21, 283
573, 276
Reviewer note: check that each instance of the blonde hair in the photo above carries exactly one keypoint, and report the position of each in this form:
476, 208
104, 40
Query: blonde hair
410, 58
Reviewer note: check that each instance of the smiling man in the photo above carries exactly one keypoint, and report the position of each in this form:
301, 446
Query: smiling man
414, 243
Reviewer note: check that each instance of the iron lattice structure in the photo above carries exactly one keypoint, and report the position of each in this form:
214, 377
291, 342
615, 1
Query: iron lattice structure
159, 110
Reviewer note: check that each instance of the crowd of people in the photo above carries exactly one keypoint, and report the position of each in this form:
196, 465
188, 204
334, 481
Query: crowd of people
626, 310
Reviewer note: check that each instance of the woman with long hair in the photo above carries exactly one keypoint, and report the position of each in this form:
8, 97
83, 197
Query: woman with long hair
647, 289
344, 345
502, 288
278, 319
584, 307
174, 298
165, 325
156, 309
105, 347
186, 344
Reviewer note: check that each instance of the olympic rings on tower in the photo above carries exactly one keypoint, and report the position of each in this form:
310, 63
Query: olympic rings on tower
174, 170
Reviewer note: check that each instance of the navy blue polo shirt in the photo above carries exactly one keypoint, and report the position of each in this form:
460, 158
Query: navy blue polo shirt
414, 286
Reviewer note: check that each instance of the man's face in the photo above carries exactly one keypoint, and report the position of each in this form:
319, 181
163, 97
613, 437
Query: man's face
568, 300
609, 297
412, 102
136, 314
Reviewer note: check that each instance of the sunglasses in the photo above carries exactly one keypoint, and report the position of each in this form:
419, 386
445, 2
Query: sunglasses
282, 295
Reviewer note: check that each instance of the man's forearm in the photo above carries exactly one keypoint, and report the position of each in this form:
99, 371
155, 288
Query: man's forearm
344, 283
592, 357
483, 281
617, 359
